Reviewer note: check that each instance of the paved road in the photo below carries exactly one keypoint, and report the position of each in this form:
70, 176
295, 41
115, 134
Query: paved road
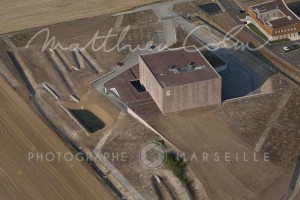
166, 12
232, 8
292, 57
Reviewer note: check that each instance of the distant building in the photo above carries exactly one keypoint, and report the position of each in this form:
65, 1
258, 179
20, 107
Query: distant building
178, 80
275, 20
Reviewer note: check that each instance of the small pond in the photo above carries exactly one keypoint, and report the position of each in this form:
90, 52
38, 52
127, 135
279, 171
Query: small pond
211, 8
88, 120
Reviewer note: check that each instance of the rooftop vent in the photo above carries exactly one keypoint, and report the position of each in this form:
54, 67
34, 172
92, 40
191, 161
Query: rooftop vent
189, 68
289, 17
262, 9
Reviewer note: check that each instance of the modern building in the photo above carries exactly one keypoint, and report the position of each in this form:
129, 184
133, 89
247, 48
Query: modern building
275, 20
180, 79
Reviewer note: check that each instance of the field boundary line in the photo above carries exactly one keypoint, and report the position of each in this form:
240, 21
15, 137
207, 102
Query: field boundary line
275, 115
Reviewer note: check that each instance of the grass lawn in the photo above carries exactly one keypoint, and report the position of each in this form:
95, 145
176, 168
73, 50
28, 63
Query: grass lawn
262, 36
279, 41
242, 15
178, 167
257, 31
88, 120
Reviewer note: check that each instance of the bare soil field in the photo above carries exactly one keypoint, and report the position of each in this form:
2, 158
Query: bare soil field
75, 74
201, 131
19, 15
140, 19
21, 88
283, 140
42, 67
236, 126
182, 36
185, 9
69, 31
22, 131
233, 127
128, 136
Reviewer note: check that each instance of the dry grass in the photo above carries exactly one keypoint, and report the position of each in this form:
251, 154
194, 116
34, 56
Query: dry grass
22, 131
201, 131
18, 15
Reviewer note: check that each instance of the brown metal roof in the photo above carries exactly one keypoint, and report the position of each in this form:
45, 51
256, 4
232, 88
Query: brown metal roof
267, 6
282, 22
160, 62
141, 103
277, 4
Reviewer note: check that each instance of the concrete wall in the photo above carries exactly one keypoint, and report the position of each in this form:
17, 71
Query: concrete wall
192, 95
180, 97
136, 116
150, 83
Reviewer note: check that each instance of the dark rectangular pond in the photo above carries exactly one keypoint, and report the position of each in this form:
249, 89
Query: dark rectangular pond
88, 120
211, 8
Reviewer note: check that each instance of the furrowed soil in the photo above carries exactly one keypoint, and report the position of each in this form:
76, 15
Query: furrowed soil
22, 131
18, 15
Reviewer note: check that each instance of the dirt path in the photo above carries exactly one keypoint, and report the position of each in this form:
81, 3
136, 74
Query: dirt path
108, 133
22, 131
273, 119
